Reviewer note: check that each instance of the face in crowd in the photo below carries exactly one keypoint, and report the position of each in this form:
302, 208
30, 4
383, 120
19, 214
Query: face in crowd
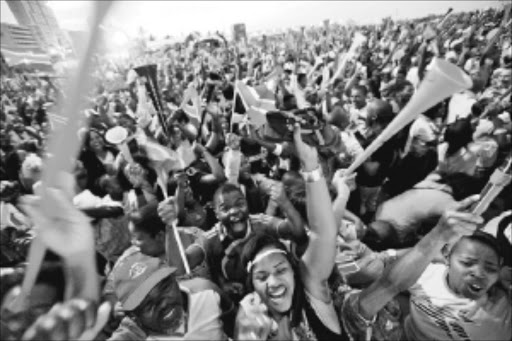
358, 98
96, 142
149, 244
273, 280
473, 268
161, 311
232, 211
127, 123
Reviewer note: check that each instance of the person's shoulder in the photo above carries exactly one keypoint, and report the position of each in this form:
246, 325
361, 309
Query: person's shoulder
128, 330
212, 233
433, 273
198, 284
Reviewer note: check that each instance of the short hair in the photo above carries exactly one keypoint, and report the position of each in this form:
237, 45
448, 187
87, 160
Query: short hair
361, 89
462, 184
380, 235
226, 188
484, 238
147, 220
433, 112
458, 135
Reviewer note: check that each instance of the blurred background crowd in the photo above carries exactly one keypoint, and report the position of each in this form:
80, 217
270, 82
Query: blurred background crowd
209, 191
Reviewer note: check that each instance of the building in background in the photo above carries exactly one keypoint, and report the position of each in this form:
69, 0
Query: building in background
40, 18
18, 39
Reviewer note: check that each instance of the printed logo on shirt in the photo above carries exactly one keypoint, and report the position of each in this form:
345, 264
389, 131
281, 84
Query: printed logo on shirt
443, 318
137, 269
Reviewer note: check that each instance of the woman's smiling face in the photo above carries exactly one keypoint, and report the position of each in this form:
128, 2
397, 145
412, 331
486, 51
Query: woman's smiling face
273, 279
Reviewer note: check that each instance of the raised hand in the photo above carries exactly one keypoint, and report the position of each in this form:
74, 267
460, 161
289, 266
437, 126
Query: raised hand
456, 222
253, 322
307, 154
62, 227
167, 210
342, 182
277, 193
75, 319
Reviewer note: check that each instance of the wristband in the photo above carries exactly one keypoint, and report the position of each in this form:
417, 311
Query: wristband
279, 150
391, 253
313, 176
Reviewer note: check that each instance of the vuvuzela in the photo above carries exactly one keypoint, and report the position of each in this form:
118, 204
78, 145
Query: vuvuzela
442, 81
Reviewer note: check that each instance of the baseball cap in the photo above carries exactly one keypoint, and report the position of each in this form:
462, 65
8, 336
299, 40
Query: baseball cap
136, 275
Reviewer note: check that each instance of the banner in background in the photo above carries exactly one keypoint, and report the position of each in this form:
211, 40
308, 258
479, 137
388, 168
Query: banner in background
239, 33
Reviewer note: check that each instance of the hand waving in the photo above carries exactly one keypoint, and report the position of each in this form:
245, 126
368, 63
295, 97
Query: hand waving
75, 319
253, 322
61, 226
456, 222
343, 183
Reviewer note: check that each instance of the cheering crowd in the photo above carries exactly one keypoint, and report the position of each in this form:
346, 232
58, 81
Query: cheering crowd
210, 198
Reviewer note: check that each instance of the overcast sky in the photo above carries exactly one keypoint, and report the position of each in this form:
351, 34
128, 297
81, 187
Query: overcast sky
176, 17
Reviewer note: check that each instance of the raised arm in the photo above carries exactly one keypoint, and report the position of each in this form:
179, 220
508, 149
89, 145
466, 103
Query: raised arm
340, 203
318, 260
66, 231
293, 227
217, 174
454, 224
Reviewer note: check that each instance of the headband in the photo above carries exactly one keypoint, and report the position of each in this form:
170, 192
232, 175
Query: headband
263, 255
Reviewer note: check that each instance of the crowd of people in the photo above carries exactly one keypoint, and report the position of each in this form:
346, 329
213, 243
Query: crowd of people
196, 213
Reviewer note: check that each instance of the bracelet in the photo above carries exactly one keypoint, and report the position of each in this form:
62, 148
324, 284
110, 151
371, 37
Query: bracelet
313, 176
391, 253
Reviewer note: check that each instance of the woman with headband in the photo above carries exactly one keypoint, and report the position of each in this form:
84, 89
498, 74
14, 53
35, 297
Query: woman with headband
291, 299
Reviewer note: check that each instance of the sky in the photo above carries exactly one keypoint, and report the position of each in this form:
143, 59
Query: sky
180, 17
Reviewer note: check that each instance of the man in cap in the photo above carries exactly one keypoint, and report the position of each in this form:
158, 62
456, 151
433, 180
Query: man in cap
157, 306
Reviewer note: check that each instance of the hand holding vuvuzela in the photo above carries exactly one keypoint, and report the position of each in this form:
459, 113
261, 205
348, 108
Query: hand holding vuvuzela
442, 81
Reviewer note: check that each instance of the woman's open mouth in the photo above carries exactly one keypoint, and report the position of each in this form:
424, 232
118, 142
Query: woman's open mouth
278, 295
475, 288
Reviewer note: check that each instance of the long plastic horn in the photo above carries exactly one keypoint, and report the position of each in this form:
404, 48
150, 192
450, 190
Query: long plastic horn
64, 144
150, 73
441, 82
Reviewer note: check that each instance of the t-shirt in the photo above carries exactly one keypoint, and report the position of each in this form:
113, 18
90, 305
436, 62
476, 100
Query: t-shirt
358, 119
460, 106
436, 313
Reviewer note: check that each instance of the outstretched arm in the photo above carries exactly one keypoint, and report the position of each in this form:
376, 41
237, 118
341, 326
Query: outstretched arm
405, 271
